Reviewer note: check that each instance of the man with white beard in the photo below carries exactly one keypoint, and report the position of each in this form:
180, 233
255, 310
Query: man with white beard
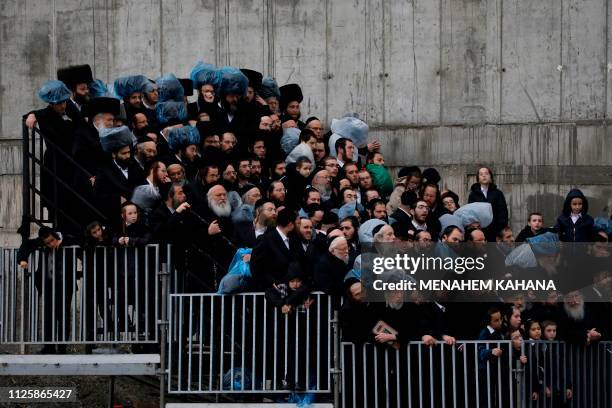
579, 322
321, 180
219, 212
329, 271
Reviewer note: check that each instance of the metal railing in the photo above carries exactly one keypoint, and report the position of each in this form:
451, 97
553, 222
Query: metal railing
558, 373
417, 375
54, 192
242, 344
83, 295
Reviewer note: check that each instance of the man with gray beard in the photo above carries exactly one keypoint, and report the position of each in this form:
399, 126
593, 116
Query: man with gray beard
579, 322
321, 180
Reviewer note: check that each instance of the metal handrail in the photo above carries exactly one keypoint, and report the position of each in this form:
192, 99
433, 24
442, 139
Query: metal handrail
29, 185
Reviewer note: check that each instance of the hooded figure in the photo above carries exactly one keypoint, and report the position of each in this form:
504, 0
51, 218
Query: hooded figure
179, 139
128, 85
204, 74
187, 85
350, 128
171, 113
575, 224
170, 89
290, 139
480, 213
98, 89
57, 125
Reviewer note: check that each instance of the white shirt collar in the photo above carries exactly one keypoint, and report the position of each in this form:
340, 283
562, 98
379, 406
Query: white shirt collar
491, 330
125, 172
284, 237
419, 227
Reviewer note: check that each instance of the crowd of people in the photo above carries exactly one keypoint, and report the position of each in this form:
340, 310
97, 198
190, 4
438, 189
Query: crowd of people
244, 187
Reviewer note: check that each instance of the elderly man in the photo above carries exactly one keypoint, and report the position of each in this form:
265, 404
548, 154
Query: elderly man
330, 270
321, 180
579, 322
176, 172
146, 152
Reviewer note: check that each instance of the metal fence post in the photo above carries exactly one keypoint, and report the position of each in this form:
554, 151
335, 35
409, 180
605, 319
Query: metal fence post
519, 375
336, 370
163, 329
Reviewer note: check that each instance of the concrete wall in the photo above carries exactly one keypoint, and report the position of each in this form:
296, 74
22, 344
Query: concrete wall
520, 85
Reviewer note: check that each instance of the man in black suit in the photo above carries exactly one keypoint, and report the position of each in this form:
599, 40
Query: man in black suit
116, 180
402, 227
53, 274
273, 253
247, 233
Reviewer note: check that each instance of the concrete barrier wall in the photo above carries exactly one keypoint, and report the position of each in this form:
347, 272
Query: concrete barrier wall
522, 86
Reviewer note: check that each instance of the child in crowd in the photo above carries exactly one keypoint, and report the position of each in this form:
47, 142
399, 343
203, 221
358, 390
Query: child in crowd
558, 376
575, 224
293, 292
535, 356
534, 227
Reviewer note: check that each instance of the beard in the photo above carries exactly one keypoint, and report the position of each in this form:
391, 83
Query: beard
231, 108
81, 99
223, 209
324, 191
123, 163
394, 305
269, 222
575, 313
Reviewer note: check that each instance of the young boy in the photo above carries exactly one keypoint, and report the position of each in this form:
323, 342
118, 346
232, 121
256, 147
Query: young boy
575, 224
292, 292
533, 227
489, 355
557, 379
298, 176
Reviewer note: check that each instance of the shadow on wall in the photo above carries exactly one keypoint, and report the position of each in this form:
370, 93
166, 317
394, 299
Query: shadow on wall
551, 205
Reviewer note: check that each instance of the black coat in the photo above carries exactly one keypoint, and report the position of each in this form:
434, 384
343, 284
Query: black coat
497, 200
583, 228
329, 273
270, 260
111, 185
402, 224
60, 131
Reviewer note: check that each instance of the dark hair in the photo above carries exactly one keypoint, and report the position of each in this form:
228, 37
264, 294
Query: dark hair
409, 198
271, 186
45, 232
370, 156
547, 323
500, 234
341, 193
373, 203
532, 214
491, 311
468, 234
257, 138
529, 323
260, 203
307, 192
341, 144
347, 164
490, 173
301, 160
310, 119
449, 230
172, 190
306, 135
312, 208
285, 217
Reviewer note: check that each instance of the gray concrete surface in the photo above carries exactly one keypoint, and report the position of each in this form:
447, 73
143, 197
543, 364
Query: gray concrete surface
520, 85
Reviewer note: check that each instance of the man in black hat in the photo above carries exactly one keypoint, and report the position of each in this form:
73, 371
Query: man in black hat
87, 150
146, 152
291, 98
77, 78
118, 177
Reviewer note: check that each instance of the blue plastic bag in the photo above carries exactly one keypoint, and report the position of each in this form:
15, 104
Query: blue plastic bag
238, 276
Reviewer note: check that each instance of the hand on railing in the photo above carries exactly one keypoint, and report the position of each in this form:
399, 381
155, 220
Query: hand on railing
593, 335
125, 241
523, 359
449, 340
497, 352
23, 264
429, 340
31, 121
